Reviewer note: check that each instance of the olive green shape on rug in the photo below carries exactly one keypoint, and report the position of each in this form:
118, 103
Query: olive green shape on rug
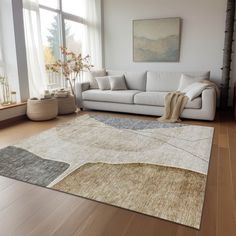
166, 192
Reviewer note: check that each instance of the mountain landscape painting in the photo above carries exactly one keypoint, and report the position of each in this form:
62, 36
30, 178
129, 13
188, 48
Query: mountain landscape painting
156, 40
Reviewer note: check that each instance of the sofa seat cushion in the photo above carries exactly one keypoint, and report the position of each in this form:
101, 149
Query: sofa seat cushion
118, 96
158, 99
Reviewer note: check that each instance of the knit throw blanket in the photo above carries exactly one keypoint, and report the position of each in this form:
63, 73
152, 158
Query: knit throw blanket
176, 101
174, 105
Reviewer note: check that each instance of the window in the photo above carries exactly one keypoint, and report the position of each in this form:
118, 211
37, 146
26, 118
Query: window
1, 72
49, 24
9, 82
1, 56
74, 36
50, 3
62, 24
74, 7
51, 37
1, 59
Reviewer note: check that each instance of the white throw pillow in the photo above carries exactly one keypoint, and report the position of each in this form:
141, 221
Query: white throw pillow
117, 82
187, 80
103, 83
92, 77
194, 90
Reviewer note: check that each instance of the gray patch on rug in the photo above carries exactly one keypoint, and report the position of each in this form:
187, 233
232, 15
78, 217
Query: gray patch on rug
19, 164
134, 124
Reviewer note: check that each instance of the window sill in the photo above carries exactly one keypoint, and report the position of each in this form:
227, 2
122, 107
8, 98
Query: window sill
12, 105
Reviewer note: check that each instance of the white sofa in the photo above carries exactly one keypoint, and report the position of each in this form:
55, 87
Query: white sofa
145, 95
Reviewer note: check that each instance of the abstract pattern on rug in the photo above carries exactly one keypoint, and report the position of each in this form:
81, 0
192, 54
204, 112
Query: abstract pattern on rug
165, 192
145, 166
25, 166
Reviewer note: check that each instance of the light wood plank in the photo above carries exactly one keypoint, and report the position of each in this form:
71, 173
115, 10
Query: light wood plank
226, 222
232, 149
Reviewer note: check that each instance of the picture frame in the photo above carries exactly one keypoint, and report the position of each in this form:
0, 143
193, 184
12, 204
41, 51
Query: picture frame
157, 40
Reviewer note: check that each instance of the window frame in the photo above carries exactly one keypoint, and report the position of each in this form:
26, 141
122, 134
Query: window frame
2, 62
62, 17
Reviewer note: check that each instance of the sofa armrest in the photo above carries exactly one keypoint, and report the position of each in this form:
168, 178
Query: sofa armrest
79, 89
209, 103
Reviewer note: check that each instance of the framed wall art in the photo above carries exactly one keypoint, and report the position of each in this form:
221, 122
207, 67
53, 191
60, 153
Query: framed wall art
156, 40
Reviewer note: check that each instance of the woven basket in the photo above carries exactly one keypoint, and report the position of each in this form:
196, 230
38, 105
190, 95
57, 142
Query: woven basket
39, 110
66, 105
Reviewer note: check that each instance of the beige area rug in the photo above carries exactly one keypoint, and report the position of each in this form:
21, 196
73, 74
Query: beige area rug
145, 166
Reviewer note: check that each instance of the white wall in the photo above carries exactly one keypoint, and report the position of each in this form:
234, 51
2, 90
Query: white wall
203, 23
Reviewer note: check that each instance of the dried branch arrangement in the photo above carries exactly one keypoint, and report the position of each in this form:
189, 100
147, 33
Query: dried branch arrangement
71, 67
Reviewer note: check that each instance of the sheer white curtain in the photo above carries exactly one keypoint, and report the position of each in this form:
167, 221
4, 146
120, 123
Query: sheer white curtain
34, 48
93, 35
1, 53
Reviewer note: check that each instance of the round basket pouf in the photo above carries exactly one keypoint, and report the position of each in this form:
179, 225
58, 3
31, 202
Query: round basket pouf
66, 105
40, 110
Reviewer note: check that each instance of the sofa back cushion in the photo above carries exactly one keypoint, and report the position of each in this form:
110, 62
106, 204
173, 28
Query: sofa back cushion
187, 80
117, 82
92, 77
168, 81
134, 80
103, 83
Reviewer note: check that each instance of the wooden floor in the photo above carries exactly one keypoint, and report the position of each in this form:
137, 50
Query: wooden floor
30, 210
